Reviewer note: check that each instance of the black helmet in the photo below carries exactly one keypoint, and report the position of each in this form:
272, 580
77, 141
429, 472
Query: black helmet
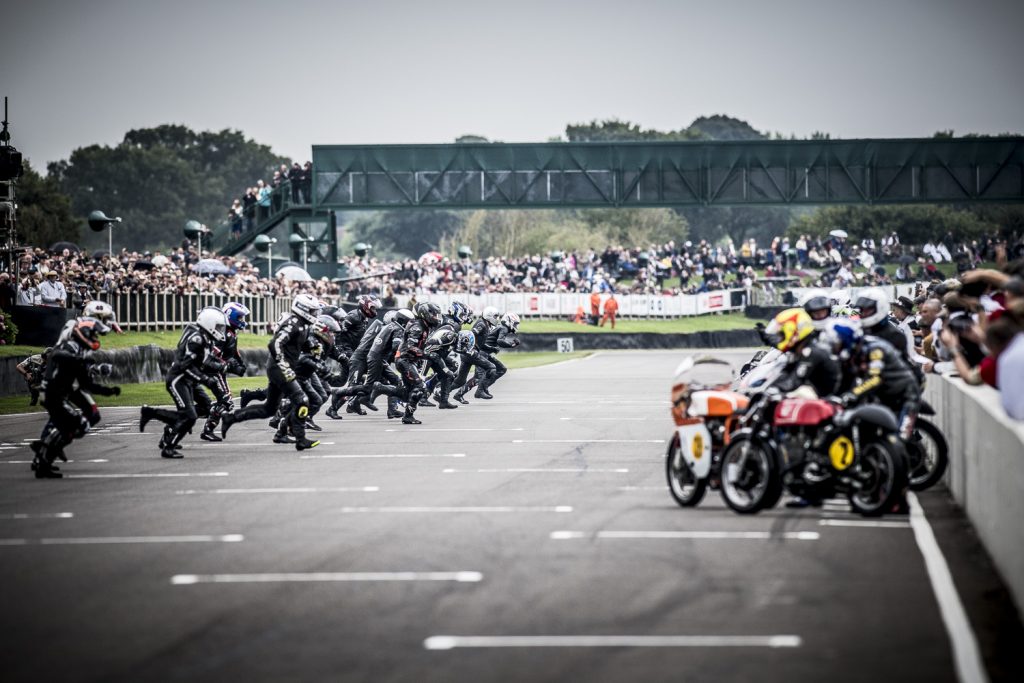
428, 313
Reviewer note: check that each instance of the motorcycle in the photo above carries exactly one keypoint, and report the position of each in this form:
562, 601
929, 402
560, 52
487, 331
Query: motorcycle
704, 411
927, 452
813, 449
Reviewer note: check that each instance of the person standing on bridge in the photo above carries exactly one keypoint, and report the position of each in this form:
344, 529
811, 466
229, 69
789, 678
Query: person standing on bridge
611, 307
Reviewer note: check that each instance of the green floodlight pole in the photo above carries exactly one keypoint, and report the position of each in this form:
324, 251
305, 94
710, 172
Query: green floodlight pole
296, 239
263, 243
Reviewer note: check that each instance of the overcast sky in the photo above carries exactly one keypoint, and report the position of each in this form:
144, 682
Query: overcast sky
293, 73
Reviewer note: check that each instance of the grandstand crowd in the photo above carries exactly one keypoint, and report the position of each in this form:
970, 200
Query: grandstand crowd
65, 277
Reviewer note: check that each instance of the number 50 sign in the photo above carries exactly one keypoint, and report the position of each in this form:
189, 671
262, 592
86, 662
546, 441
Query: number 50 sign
565, 345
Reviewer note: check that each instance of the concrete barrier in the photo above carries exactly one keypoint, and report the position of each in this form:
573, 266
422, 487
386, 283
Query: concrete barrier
986, 470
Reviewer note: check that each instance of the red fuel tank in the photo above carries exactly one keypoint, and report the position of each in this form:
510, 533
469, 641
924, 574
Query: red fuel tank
802, 411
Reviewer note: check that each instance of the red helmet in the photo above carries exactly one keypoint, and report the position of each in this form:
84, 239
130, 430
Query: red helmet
89, 330
369, 305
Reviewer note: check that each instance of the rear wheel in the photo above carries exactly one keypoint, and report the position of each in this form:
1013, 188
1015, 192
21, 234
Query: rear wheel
683, 484
928, 456
882, 466
750, 481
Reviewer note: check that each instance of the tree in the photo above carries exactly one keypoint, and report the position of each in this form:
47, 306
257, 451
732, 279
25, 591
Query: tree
44, 212
158, 178
405, 233
914, 224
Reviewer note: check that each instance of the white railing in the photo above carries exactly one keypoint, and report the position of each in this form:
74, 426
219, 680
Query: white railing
141, 312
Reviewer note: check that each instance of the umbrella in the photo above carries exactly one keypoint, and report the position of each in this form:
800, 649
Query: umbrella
143, 265
97, 255
58, 247
841, 234
431, 257
879, 270
211, 266
294, 273
906, 259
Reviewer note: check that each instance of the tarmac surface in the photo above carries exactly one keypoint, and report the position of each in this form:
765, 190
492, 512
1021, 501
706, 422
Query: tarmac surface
527, 538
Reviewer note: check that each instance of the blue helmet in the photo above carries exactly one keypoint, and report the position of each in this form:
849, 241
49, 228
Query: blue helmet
844, 333
466, 342
236, 314
460, 312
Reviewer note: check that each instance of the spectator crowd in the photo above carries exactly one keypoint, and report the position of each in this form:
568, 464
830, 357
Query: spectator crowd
263, 199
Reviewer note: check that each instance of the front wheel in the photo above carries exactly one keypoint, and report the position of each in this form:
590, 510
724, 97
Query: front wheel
750, 480
928, 454
883, 471
685, 487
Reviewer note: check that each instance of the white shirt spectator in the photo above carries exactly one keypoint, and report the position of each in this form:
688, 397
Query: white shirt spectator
52, 292
1008, 373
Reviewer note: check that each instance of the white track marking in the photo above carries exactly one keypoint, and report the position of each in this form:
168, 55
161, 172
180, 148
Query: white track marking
690, 535
499, 508
339, 489
459, 429
383, 455
203, 445
452, 642
866, 523
118, 540
146, 476
607, 419
969, 666
313, 577
643, 488
38, 515
26, 462
538, 470
588, 441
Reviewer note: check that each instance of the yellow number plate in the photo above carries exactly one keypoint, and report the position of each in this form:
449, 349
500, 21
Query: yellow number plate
841, 453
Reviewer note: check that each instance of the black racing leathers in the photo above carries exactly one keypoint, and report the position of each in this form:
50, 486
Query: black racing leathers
813, 364
285, 349
883, 375
225, 352
891, 333
66, 384
498, 337
194, 364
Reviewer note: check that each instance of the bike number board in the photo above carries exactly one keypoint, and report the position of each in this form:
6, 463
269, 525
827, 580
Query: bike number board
841, 453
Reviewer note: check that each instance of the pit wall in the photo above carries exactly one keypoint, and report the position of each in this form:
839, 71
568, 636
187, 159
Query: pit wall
986, 470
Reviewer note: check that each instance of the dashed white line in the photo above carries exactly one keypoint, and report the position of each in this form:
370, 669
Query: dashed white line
460, 429
382, 455
690, 535
865, 523
38, 515
338, 489
607, 419
588, 441
117, 540
453, 642
557, 470
146, 476
313, 577
485, 509
26, 462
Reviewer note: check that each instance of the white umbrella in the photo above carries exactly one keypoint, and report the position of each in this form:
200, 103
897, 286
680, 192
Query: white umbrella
294, 273
841, 234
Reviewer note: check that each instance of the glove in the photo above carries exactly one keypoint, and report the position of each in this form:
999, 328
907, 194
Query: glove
289, 375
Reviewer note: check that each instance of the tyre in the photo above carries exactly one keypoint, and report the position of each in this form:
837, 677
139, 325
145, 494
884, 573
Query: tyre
927, 455
684, 486
752, 483
883, 465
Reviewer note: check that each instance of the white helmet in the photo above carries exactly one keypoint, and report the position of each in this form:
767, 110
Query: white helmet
490, 314
873, 306
511, 321
306, 307
99, 310
213, 322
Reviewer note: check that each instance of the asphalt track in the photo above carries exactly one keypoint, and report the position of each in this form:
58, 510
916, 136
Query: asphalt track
528, 538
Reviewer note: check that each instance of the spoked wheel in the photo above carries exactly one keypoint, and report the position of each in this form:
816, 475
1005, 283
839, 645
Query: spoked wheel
750, 481
684, 486
927, 454
883, 472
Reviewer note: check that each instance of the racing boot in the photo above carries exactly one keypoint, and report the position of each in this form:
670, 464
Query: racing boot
145, 415
247, 397
355, 407
410, 419
283, 438
313, 425
445, 404
208, 435
425, 402
225, 424
460, 395
305, 444
332, 413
